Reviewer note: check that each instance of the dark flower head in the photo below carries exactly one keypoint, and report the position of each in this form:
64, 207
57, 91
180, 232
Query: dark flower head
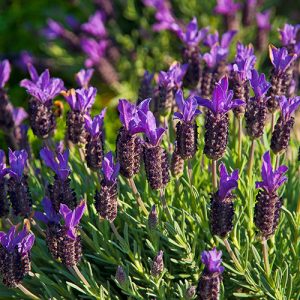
19, 115
147, 77
288, 34
150, 129
173, 77
228, 182
188, 108
95, 26
212, 261
263, 20
110, 170
72, 218
259, 84
243, 67
120, 275
3, 169
95, 126
271, 180
129, 114
83, 77
221, 99
58, 162
22, 240
81, 99
288, 106
17, 161
53, 30
95, 50
192, 35
227, 7
163, 15
280, 58
4, 72
43, 87
50, 215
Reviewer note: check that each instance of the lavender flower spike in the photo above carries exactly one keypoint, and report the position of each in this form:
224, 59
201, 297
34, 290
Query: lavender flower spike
280, 59
288, 37
228, 182
95, 26
271, 179
94, 126
4, 204
211, 277
17, 161
110, 170
19, 115
83, 77
72, 218
58, 163
259, 84
49, 216
263, 20
288, 106
227, 7
5, 70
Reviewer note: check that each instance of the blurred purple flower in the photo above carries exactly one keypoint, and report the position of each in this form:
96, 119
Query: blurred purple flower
212, 261
227, 7
95, 26
110, 170
53, 30
221, 99
271, 180
19, 115
72, 218
280, 58
22, 241
259, 84
58, 162
17, 161
188, 108
228, 182
95, 126
213, 38
3, 169
83, 77
81, 99
192, 35
5, 70
288, 36
243, 51
129, 114
95, 50
288, 106
50, 215
263, 20
43, 87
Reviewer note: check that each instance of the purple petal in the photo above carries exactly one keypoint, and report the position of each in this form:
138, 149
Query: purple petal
5, 70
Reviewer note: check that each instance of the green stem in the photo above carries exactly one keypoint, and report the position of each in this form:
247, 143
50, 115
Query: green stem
266, 256
80, 276
165, 205
232, 255
27, 292
277, 161
240, 139
137, 196
251, 159
116, 233
272, 122
214, 174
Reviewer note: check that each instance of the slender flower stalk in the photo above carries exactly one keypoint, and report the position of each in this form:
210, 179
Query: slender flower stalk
228, 8
80, 102
18, 189
60, 190
263, 29
42, 89
158, 264
211, 277
249, 9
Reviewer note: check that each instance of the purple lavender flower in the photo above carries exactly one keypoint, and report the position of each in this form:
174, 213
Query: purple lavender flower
81, 100
259, 84
263, 20
157, 264
243, 68
4, 72
83, 77
243, 51
221, 101
212, 261
19, 115
17, 161
43, 88
110, 170
95, 50
228, 182
50, 215
72, 218
95, 26
288, 106
281, 59
213, 38
271, 179
188, 108
94, 126
58, 162
4, 204
163, 15
3, 169
288, 35
227, 7
153, 134
192, 35
53, 29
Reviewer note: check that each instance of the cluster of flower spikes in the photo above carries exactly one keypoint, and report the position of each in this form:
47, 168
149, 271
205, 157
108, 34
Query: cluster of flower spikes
63, 240
11, 117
